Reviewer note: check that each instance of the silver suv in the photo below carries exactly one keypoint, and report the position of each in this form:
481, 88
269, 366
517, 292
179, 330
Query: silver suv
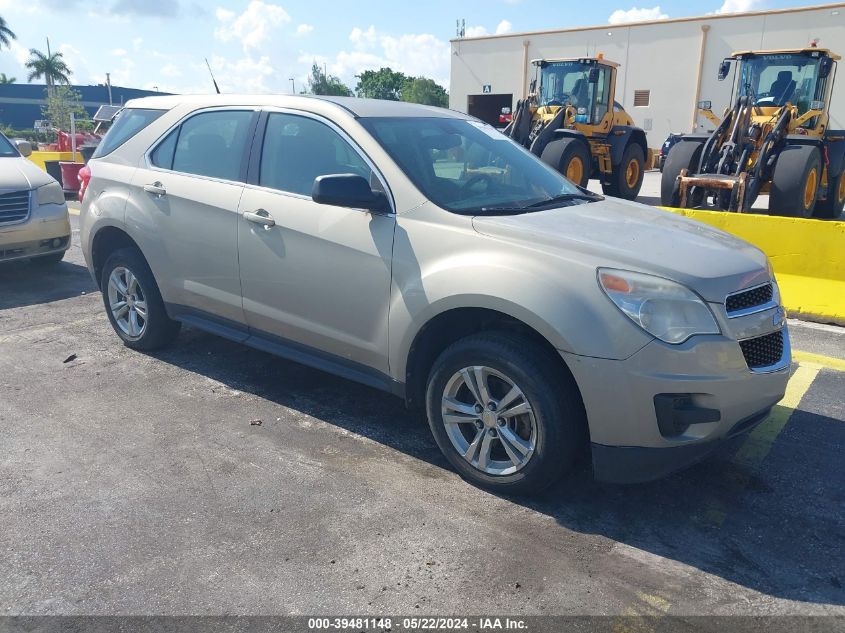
419, 251
34, 222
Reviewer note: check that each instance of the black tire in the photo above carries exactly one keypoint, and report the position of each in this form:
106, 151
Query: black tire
48, 260
159, 330
549, 390
831, 207
619, 186
561, 153
796, 167
684, 155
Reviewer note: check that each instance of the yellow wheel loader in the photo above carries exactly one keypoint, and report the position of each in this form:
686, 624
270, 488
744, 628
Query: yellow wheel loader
572, 122
774, 139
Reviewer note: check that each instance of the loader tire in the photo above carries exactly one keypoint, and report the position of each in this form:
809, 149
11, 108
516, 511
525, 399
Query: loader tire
627, 177
831, 207
683, 155
571, 157
795, 181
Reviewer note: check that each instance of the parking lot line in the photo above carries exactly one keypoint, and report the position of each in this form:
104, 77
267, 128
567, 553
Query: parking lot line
73, 210
808, 358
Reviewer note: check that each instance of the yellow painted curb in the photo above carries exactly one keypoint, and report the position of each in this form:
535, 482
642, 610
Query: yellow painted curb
808, 358
808, 257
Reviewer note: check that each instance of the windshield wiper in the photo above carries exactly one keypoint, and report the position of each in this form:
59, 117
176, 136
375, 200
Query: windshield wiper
566, 197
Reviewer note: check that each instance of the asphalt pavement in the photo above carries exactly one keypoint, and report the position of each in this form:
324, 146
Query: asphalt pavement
215, 479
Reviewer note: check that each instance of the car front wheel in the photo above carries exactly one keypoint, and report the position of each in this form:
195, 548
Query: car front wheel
504, 413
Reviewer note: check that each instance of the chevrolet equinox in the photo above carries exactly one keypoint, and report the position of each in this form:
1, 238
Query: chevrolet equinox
420, 251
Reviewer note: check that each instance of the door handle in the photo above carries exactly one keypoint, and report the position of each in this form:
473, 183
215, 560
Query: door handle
157, 189
260, 217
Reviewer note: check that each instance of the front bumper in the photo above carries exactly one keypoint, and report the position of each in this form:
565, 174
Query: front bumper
47, 231
631, 443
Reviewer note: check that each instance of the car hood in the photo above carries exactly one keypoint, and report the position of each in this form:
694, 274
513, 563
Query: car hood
21, 173
617, 233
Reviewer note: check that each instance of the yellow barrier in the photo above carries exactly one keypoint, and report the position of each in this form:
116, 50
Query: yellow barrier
808, 257
39, 157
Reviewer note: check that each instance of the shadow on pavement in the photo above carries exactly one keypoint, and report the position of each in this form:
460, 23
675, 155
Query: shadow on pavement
777, 531
23, 283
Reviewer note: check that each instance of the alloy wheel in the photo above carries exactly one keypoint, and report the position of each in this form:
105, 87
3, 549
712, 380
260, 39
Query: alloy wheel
127, 302
489, 420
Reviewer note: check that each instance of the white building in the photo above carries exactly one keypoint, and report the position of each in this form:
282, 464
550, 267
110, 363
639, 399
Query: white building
669, 64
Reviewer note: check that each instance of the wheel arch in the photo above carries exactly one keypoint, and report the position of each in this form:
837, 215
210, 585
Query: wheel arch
620, 137
105, 241
454, 323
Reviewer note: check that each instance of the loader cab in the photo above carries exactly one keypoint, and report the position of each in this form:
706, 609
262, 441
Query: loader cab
774, 78
584, 84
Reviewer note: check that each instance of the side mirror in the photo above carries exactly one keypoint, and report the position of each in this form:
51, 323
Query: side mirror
724, 69
594, 76
24, 147
825, 65
348, 190
705, 105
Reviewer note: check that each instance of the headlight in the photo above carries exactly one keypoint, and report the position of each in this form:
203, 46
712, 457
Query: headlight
665, 309
50, 194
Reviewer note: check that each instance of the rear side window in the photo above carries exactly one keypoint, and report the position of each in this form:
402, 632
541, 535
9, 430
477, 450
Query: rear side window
127, 124
210, 144
162, 155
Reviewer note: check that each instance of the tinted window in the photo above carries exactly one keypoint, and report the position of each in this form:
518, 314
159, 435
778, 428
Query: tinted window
213, 143
162, 155
467, 166
298, 149
127, 124
6, 148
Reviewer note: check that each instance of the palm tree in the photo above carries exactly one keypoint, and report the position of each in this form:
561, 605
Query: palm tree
7, 80
6, 34
51, 67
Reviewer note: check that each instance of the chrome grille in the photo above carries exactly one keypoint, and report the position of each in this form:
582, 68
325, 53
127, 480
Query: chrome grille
763, 351
747, 299
14, 207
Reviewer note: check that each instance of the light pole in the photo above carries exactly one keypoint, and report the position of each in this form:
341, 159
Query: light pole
292, 86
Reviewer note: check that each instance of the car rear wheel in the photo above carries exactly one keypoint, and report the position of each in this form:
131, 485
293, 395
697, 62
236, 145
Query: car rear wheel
133, 302
504, 414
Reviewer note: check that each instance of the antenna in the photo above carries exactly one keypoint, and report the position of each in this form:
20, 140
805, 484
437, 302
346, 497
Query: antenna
460, 27
213, 80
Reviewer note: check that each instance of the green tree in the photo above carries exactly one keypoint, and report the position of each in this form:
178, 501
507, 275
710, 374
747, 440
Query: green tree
7, 80
51, 67
62, 101
383, 83
320, 83
425, 91
6, 34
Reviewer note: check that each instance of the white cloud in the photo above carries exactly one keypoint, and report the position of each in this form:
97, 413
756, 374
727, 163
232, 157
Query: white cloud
170, 70
635, 14
475, 31
414, 54
304, 29
252, 27
118, 52
740, 6
504, 27
137, 43
245, 75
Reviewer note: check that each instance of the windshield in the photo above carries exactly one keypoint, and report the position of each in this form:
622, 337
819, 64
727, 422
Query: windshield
467, 166
568, 83
7, 149
774, 80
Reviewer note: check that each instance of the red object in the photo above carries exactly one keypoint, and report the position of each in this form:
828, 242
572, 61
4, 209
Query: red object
70, 175
82, 138
505, 118
84, 176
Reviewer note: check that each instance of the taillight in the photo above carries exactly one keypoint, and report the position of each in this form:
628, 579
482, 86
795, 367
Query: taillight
84, 177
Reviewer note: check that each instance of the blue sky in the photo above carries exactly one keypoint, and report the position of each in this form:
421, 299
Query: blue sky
258, 45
